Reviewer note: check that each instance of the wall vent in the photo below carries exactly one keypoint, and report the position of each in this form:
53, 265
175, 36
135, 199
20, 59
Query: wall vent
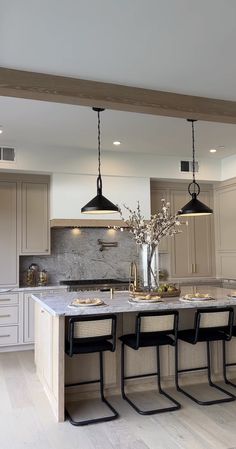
187, 166
7, 154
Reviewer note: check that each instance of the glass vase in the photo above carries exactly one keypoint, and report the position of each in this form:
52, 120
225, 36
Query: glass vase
149, 267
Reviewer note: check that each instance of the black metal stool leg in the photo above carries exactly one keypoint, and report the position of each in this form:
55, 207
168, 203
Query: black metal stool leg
135, 407
230, 397
212, 384
227, 381
95, 420
115, 414
161, 391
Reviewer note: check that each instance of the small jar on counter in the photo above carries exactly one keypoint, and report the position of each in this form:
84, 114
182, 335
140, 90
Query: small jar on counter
43, 278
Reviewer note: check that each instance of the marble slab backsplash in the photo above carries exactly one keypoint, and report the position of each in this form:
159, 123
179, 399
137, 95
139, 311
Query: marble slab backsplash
75, 254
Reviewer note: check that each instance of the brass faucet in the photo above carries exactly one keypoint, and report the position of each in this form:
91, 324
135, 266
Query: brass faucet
134, 274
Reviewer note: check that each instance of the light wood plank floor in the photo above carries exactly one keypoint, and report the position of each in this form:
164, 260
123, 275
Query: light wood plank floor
26, 421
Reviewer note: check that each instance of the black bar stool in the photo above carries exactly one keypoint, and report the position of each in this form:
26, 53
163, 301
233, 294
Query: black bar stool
225, 364
151, 329
87, 335
210, 325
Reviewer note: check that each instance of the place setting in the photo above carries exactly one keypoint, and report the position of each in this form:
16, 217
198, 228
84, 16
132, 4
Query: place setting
232, 295
86, 302
197, 297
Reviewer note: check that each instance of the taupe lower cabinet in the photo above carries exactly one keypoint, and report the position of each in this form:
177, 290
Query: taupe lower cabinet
17, 325
191, 253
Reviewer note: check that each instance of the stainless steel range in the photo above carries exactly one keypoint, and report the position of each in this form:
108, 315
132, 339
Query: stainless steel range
96, 284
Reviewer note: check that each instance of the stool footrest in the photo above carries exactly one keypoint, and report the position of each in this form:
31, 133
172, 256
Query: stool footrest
230, 397
172, 408
187, 370
177, 405
138, 376
83, 383
95, 420
85, 422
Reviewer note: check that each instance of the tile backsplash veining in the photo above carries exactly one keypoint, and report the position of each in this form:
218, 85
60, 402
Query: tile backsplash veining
75, 254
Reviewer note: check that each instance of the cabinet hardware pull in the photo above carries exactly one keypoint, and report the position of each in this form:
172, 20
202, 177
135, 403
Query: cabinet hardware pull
6, 335
5, 316
5, 299
192, 267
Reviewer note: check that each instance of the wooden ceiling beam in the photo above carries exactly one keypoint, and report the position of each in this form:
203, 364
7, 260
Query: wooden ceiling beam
60, 89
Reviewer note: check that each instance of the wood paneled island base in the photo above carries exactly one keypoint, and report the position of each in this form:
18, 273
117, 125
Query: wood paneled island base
55, 369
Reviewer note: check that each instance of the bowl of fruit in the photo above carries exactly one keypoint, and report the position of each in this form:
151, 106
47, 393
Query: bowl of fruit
168, 290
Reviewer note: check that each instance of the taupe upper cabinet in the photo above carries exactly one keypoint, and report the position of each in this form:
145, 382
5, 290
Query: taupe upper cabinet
191, 253
192, 250
8, 234
35, 218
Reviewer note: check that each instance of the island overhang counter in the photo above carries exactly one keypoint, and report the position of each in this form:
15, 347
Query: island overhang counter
55, 369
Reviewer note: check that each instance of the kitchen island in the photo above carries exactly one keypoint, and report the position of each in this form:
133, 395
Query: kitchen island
55, 369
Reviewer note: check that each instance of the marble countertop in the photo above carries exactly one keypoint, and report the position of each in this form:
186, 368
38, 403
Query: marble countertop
30, 289
58, 304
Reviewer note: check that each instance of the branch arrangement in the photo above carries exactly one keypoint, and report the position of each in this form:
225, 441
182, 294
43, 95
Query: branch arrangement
152, 231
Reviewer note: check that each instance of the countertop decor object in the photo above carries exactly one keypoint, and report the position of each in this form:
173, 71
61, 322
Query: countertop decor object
99, 204
194, 207
148, 234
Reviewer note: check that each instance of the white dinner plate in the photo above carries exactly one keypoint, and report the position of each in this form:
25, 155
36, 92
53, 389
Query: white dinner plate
92, 302
144, 301
196, 298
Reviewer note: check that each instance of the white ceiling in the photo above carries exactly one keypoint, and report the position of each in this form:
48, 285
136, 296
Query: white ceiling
184, 46
38, 123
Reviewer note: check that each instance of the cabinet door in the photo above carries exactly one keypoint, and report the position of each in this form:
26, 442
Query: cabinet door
156, 196
8, 234
35, 218
182, 250
203, 241
28, 319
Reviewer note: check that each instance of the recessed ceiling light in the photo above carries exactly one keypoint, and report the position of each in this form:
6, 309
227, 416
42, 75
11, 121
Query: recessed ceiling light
1, 130
116, 142
212, 150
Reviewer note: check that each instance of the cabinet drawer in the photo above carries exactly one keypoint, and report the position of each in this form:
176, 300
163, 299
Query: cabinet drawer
8, 335
8, 299
9, 315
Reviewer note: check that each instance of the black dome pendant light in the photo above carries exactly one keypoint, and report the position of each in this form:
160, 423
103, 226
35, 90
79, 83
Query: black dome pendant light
99, 204
194, 207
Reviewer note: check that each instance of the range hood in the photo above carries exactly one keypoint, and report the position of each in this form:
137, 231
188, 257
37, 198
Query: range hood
85, 223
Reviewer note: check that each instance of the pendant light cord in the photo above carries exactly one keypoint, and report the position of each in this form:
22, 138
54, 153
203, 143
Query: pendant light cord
99, 145
193, 146
99, 178
196, 187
